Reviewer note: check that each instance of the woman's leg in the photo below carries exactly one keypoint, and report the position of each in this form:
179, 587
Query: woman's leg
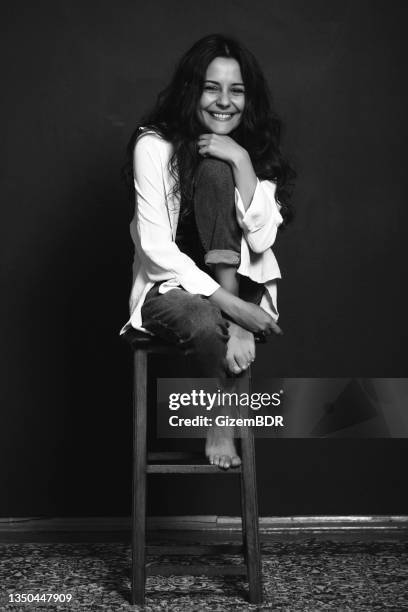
198, 328
221, 237
218, 229
214, 209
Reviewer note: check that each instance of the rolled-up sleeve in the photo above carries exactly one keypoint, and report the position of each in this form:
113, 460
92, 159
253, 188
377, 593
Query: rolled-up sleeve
262, 218
151, 228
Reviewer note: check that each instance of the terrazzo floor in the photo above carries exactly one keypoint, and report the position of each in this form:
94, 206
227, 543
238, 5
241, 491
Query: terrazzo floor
307, 576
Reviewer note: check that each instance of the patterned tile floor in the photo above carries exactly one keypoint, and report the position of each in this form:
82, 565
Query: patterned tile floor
306, 576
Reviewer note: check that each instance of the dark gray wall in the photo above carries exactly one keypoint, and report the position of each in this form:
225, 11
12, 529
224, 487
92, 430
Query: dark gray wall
76, 77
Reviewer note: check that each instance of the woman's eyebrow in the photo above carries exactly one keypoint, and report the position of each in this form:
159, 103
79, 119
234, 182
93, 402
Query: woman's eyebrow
217, 82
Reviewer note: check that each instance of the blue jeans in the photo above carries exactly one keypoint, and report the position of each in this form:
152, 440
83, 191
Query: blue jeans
209, 235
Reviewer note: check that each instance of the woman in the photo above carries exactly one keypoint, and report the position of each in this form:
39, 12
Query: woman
207, 173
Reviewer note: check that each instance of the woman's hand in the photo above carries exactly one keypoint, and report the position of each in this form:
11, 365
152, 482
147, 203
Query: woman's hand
247, 315
254, 318
240, 349
223, 147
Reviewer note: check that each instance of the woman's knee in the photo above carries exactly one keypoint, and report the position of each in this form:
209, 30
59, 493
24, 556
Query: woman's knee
215, 171
207, 328
205, 339
189, 320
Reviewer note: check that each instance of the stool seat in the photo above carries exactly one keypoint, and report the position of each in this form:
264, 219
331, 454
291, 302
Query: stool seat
143, 344
136, 338
139, 339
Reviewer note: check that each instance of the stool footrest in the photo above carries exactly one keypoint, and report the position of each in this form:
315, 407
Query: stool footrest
172, 456
196, 549
196, 570
189, 469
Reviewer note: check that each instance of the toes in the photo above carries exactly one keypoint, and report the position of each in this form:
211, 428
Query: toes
235, 461
225, 462
241, 364
234, 367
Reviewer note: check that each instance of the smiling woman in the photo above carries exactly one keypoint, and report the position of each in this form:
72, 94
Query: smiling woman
211, 189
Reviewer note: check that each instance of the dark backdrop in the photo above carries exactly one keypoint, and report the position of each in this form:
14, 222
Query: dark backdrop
76, 77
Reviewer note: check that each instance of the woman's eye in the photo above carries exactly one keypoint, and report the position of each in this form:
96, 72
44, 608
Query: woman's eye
215, 88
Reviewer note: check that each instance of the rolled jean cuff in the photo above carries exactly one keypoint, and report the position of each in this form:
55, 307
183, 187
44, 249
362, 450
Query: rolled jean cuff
225, 256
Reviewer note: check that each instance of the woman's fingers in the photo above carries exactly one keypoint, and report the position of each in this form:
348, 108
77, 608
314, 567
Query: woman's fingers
203, 144
277, 329
273, 328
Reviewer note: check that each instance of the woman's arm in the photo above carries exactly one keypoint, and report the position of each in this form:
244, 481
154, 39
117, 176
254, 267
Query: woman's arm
257, 210
244, 176
261, 220
246, 314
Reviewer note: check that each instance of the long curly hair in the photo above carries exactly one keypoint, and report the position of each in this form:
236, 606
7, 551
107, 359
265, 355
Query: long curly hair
174, 118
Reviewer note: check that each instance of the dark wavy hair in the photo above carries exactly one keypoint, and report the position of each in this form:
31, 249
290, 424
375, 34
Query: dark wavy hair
174, 117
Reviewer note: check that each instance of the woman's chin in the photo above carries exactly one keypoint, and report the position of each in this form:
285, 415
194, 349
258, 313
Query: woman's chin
220, 129
222, 132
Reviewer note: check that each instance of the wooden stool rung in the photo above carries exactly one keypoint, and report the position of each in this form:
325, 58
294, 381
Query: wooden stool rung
196, 570
172, 456
179, 468
196, 549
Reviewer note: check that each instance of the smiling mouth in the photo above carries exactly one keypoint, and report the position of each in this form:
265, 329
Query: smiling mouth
221, 116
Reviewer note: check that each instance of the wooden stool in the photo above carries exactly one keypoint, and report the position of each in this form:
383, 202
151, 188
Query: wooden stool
143, 345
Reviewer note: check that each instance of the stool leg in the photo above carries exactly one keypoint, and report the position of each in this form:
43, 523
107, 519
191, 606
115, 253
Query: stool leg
244, 538
244, 432
139, 477
250, 516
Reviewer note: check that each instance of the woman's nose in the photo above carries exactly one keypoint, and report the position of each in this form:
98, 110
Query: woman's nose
223, 99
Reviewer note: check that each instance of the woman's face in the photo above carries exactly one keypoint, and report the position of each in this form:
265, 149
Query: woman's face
222, 100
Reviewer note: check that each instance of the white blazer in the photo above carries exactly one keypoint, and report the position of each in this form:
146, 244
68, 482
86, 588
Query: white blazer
154, 225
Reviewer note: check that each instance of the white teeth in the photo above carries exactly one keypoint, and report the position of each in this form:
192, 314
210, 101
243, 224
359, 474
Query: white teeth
222, 117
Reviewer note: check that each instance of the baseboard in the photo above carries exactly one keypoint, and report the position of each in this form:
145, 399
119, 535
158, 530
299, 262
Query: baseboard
269, 525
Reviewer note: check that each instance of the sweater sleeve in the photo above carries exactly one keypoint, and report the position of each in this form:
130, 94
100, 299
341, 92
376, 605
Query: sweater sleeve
260, 221
152, 235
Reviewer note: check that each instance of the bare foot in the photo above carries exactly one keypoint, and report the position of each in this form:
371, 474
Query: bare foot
220, 447
240, 348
